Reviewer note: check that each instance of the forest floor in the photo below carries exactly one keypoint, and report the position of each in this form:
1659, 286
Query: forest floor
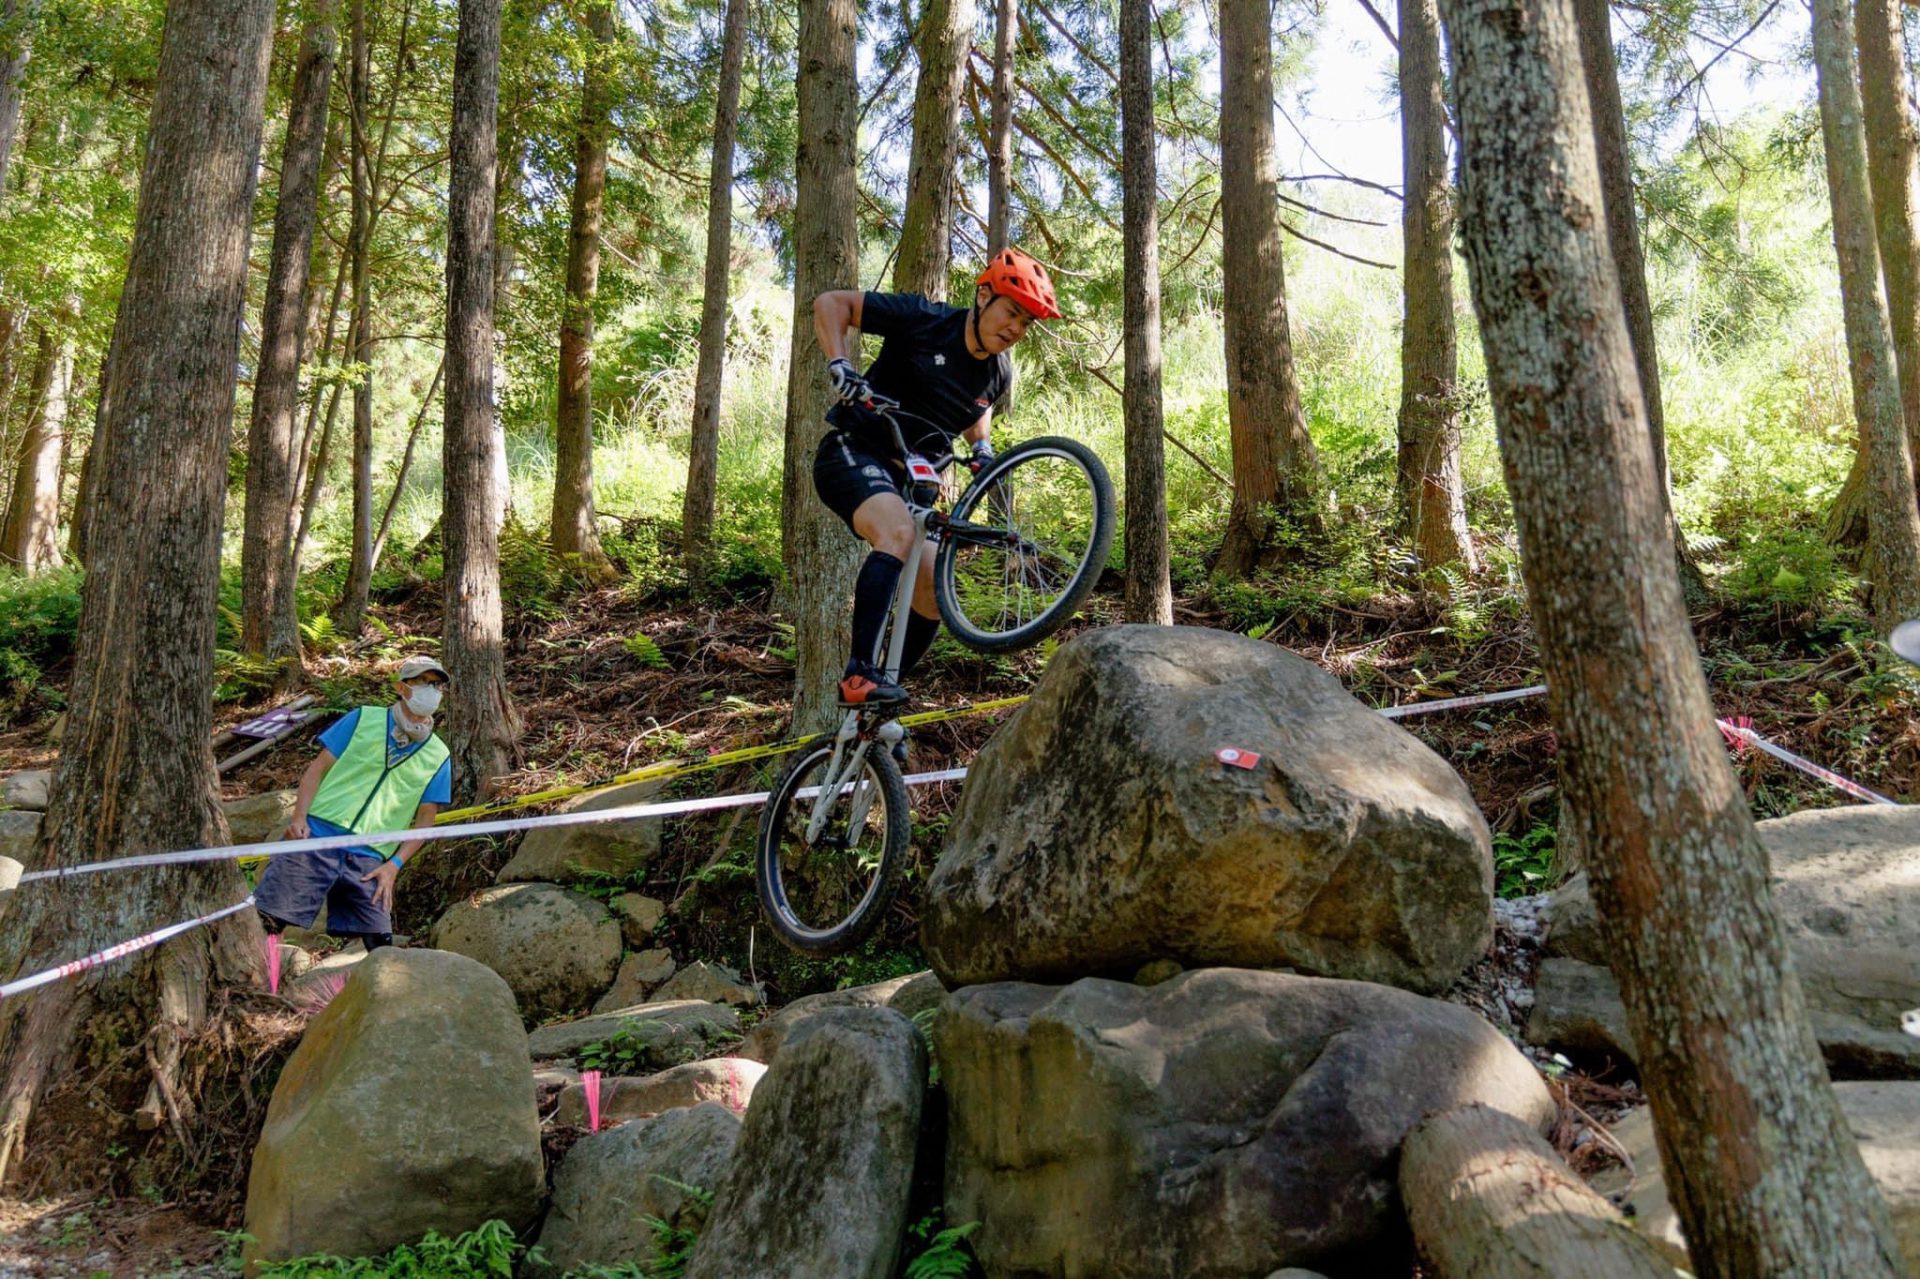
595, 702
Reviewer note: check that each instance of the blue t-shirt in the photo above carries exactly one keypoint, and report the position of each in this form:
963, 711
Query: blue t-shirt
335, 739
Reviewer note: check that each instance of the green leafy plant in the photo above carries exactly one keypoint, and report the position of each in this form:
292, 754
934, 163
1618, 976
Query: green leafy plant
488, 1250
643, 649
944, 1253
1523, 864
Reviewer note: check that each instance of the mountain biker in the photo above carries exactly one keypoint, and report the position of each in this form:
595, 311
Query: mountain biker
947, 365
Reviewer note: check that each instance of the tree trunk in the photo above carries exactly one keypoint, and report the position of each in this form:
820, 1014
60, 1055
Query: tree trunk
32, 535
1149, 596
482, 728
134, 773
1623, 235
16, 43
1765, 1176
1893, 523
352, 613
818, 554
926, 232
1275, 469
703, 453
1000, 152
1893, 146
1488, 1199
283, 325
406, 461
1433, 502
83, 503
575, 535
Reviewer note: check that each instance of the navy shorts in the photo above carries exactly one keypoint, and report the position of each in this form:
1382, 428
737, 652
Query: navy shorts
294, 887
846, 475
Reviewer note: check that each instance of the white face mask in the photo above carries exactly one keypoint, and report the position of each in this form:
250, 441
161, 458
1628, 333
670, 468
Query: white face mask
423, 700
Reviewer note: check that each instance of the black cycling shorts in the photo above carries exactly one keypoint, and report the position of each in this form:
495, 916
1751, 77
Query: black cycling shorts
846, 475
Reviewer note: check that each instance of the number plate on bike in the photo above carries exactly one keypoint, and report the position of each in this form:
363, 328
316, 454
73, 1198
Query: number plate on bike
921, 471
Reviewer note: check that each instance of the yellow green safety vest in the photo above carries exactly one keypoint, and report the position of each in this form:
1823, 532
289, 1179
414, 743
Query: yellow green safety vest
363, 793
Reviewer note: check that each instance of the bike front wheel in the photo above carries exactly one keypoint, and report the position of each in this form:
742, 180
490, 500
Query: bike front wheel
1025, 545
824, 894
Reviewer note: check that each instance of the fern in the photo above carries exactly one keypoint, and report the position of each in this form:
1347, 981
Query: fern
648, 653
946, 1255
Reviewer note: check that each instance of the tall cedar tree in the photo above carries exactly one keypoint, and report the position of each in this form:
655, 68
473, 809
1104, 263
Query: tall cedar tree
352, 612
16, 43
1275, 469
1892, 149
817, 552
574, 532
481, 727
1149, 593
1764, 1175
703, 452
1885, 463
944, 39
1000, 141
1433, 501
135, 774
31, 538
264, 550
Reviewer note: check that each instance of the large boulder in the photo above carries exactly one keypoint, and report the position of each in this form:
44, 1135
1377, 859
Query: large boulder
1100, 828
1222, 1124
820, 1180
641, 973
654, 1036
407, 1107
726, 1081
255, 819
1884, 1118
715, 983
575, 854
27, 790
613, 1185
557, 949
909, 996
19, 832
1846, 882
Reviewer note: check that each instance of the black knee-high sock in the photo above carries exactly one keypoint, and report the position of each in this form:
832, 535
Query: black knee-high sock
872, 594
920, 633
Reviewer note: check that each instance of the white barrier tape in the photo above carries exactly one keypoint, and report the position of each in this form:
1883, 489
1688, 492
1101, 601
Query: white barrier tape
1806, 766
1459, 703
281, 847
119, 951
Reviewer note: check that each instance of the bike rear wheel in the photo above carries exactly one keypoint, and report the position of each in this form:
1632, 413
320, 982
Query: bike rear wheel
824, 896
1025, 545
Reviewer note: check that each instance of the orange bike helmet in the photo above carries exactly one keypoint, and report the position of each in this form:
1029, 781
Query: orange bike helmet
1011, 273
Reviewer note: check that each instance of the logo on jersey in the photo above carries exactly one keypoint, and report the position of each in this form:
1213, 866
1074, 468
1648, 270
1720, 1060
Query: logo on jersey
941, 360
985, 404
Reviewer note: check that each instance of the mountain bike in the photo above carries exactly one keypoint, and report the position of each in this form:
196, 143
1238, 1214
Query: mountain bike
1016, 556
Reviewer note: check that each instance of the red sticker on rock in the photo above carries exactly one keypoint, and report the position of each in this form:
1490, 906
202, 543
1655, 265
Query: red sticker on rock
1235, 758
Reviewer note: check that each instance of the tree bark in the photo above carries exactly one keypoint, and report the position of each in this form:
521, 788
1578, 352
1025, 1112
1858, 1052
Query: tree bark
1149, 592
1893, 523
1765, 1175
83, 503
32, 535
926, 232
270, 490
1893, 147
575, 535
1623, 235
1000, 150
1433, 502
16, 44
703, 453
352, 613
818, 555
1275, 469
406, 461
482, 728
1488, 1199
135, 773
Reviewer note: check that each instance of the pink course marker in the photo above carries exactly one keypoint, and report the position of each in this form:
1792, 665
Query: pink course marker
590, 1084
273, 963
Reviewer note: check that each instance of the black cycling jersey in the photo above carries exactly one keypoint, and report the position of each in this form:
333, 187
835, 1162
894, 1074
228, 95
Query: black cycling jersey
924, 363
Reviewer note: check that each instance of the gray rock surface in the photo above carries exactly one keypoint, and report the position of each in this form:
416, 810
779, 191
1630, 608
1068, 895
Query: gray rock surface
639, 916
415, 1076
571, 854
715, 983
19, 831
820, 1180
612, 1182
725, 1081
908, 996
27, 790
641, 973
668, 1034
255, 819
1222, 1124
1885, 1119
1098, 829
558, 950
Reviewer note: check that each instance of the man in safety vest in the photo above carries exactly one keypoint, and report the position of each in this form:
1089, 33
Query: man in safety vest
380, 768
